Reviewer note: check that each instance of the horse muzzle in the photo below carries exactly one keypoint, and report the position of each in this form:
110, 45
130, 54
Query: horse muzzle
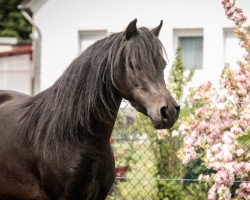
165, 117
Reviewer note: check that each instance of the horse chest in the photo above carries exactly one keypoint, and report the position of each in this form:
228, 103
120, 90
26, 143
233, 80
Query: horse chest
89, 177
96, 173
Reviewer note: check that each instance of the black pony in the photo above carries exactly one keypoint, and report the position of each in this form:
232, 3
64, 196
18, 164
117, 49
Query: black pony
55, 145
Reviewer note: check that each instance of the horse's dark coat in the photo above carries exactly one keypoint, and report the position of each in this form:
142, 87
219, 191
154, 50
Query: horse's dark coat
55, 145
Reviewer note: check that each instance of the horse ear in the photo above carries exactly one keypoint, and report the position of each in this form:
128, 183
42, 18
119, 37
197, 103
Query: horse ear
156, 30
131, 29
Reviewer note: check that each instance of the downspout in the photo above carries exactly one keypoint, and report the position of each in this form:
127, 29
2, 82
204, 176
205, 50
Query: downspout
36, 51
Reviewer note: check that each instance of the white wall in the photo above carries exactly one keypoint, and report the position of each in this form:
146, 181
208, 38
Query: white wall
15, 73
60, 21
5, 47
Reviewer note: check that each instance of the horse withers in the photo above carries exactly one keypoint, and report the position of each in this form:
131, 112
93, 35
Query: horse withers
55, 145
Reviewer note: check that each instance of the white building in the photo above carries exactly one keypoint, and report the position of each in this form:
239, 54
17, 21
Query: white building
199, 27
15, 65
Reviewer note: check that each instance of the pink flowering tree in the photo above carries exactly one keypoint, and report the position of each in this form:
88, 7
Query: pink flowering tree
217, 131
236, 15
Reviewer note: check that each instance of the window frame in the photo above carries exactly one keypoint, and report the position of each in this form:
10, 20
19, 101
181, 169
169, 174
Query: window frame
82, 32
187, 32
229, 31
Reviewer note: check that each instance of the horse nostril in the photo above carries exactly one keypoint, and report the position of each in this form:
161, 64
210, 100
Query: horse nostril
164, 114
177, 112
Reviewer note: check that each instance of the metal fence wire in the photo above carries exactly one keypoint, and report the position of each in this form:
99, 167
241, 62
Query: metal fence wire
148, 165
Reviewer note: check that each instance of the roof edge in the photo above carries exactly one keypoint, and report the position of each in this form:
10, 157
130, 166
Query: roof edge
27, 49
33, 5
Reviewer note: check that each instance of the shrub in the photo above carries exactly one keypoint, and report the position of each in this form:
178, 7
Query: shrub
217, 131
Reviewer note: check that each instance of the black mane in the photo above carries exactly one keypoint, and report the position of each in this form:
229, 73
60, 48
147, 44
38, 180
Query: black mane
86, 90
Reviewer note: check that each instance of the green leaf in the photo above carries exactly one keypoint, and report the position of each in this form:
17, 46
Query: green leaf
245, 139
12, 22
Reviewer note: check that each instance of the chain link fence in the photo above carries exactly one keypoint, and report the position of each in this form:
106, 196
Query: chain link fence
148, 164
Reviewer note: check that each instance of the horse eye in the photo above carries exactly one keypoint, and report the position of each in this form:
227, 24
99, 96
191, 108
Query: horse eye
131, 65
161, 61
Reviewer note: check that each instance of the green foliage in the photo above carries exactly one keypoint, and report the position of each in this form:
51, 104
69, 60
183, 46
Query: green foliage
176, 79
245, 140
170, 190
142, 124
194, 168
169, 165
173, 190
196, 191
12, 23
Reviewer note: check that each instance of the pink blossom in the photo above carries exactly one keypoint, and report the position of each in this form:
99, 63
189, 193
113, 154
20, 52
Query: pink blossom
212, 193
216, 165
205, 178
224, 177
224, 192
228, 137
236, 129
175, 133
221, 117
245, 186
240, 152
188, 154
242, 195
234, 13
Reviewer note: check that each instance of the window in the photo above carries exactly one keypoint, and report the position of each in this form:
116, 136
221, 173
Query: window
86, 38
191, 52
232, 50
190, 42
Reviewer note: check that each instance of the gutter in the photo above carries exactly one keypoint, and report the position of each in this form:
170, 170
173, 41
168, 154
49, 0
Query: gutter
36, 51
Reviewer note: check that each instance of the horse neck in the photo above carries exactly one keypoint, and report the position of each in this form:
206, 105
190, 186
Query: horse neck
81, 105
77, 137
99, 130
104, 129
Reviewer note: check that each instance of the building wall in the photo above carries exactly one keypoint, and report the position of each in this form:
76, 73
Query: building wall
5, 47
15, 73
61, 20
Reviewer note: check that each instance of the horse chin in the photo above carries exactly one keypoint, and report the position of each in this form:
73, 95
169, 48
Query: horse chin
159, 124
162, 125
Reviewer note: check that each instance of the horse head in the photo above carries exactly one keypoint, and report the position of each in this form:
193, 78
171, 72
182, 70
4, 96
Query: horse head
140, 78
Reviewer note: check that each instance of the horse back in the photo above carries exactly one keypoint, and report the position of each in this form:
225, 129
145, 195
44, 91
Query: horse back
7, 95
